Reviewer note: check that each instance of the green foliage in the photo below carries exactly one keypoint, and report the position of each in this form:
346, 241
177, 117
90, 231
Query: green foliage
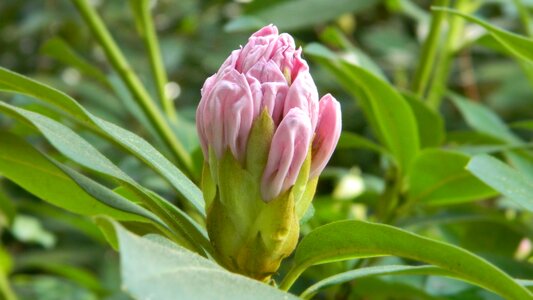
98, 151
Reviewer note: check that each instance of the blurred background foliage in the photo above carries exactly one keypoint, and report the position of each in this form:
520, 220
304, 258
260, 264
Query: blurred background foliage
47, 253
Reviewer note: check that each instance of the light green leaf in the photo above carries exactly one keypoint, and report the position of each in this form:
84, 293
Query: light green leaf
438, 177
13, 82
373, 271
283, 13
483, 119
430, 124
394, 120
60, 50
153, 267
350, 140
503, 178
22, 164
386, 110
518, 45
356, 239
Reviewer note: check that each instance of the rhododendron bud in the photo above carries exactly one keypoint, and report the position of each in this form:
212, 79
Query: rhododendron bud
265, 139
327, 133
288, 150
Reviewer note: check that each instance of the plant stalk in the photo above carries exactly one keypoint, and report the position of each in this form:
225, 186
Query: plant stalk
450, 47
134, 84
156, 61
429, 51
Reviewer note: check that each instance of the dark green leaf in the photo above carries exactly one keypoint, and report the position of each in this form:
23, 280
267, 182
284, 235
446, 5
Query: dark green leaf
356, 239
438, 177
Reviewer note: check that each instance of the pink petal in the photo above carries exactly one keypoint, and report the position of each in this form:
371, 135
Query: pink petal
303, 94
327, 134
225, 116
287, 153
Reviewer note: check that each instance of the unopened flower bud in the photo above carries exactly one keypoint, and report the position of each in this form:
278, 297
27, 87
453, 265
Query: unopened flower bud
265, 139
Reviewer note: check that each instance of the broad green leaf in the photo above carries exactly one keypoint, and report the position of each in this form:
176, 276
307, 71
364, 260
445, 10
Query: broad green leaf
283, 13
13, 82
60, 50
430, 124
373, 271
22, 164
394, 119
357, 239
483, 119
518, 45
349, 140
438, 177
153, 267
503, 178
80, 151
386, 110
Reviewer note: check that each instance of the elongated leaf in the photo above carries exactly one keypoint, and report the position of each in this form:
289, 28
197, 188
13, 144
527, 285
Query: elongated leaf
483, 119
60, 50
504, 179
395, 121
33, 171
430, 124
152, 267
373, 271
355, 239
516, 44
316, 11
77, 149
349, 140
13, 82
438, 177
387, 111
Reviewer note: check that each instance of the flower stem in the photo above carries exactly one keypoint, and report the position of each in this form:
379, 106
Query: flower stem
449, 49
156, 61
429, 51
291, 277
134, 84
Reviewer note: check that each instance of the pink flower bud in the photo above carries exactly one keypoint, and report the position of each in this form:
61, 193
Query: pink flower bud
303, 94
268, 73
327, 133
226, 112
287, 153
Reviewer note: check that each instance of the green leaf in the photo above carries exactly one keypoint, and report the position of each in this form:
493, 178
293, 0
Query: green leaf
283, 13
395, 123
7, 209
356, 239
483, 119
60, 50
22, 164
13, 82
430, 124
503, 178
438, 177
386, 110
527, 125
350, 140
373, 271
153, 267
518, 45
